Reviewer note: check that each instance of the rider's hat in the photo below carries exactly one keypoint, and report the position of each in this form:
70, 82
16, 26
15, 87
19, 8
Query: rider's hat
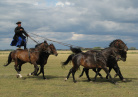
19, 22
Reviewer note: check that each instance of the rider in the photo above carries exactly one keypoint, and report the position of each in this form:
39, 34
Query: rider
19, 39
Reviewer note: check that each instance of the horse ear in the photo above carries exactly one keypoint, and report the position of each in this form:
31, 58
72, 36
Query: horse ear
45, 42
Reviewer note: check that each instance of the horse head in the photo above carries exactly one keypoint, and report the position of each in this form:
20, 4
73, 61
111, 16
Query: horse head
123, 55
53, 50
115, 53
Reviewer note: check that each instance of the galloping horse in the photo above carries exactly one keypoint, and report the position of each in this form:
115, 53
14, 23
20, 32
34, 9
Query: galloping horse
20, 57
112, 62
91, 61
43, 59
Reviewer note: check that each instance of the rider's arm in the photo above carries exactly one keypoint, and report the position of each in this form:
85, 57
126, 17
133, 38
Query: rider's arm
24, 32
17, 30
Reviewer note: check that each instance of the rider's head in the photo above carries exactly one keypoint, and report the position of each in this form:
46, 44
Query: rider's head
19, 23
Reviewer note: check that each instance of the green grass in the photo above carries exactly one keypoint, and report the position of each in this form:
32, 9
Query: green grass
55, 86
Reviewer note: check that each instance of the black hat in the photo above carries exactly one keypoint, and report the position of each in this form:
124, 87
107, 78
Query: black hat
19, 22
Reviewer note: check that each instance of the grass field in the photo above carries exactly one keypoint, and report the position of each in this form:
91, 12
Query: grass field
55, 86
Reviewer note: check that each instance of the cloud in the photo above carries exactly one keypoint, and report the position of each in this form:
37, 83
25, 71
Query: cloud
72, 20
63, 4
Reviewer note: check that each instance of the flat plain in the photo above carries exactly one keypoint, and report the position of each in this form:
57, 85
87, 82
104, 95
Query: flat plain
55, 86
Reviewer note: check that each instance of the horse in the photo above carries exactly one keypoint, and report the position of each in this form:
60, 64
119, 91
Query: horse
21, 56
91, 61
111, 63
43, 59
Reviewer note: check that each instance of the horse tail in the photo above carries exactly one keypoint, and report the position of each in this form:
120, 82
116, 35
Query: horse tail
75, 50
68, 60
9, 59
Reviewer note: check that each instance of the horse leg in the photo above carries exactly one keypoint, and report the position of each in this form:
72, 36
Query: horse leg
107, 72
73, 75
110, 68
43, 72
36, 68
70, 71
18, 69
99, 69
97, 73
117, 70
33, 73
40, 71
87, 74
82, 72
20, 65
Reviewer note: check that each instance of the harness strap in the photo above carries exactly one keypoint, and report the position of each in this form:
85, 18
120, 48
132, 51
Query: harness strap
95, 57
29, 55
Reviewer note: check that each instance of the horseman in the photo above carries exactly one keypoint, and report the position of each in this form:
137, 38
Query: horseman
19, 39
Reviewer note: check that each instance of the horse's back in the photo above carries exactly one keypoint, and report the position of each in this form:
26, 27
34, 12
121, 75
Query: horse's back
87, 60
21, 54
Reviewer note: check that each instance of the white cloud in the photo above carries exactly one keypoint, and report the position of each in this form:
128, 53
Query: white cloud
67, 3
88, 19
62, 4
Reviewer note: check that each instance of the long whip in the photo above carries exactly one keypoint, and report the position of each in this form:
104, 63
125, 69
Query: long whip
65, 44
32, 39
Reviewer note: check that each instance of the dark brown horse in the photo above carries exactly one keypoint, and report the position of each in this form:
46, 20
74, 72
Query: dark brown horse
43, 59
112, 62
90, 61
21, 56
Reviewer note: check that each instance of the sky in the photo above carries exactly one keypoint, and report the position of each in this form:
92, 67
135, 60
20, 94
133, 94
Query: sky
84, 23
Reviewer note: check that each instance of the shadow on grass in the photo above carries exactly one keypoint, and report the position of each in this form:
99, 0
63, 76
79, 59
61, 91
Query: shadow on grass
108, 80
48, 77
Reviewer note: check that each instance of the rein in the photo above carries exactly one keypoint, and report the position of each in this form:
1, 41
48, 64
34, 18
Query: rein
65, 44
33, 39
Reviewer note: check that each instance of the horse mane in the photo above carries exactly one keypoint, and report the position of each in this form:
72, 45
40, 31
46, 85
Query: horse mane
37, 45
75, 50
40, 44
114, 41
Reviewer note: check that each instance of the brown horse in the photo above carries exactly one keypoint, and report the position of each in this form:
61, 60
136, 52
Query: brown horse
21, 56
112, 62
90, 61
43, 59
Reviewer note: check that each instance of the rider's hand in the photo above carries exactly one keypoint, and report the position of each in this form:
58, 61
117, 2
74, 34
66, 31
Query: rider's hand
21, 29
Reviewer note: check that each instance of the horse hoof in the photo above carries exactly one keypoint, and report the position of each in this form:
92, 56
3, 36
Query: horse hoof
114, 82
124, 80
29, 74
101, 77
24, 78
17, 76
94, 80
66, 79
74, 81
80, 76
